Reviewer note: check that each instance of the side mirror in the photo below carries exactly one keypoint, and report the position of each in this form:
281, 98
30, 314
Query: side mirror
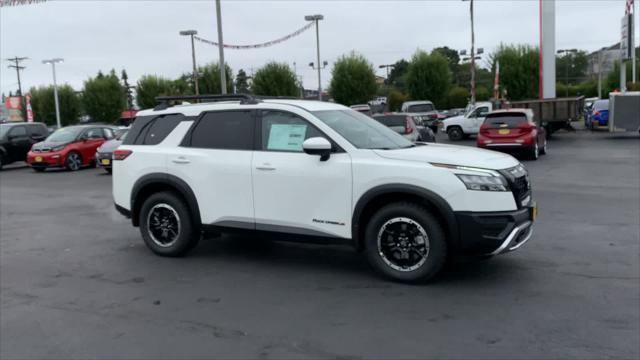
317, 146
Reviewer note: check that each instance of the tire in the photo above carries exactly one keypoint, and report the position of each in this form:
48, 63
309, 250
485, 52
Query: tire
73, 161
1, 161
543, 150
417, 219
534, 152
38, 169
455, 133
174, 220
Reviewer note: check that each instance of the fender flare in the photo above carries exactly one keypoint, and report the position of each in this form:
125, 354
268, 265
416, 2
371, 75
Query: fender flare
181, 187
421, 194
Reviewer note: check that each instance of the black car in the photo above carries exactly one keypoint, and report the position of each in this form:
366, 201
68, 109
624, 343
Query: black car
16, 140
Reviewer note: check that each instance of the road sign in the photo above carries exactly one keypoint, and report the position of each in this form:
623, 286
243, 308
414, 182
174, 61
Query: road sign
626, 37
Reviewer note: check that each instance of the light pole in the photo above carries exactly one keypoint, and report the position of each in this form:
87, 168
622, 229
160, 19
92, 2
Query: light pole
317, 18
600, 71
566, 53
223, 73
191, 33
473, 56
387, 66
53, 63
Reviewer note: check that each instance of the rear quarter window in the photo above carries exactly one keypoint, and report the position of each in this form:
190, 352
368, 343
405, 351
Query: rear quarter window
152, 130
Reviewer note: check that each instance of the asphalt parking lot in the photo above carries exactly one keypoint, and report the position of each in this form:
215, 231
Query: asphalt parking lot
76, 281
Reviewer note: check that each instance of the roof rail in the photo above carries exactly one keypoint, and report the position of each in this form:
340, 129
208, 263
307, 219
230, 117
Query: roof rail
164, 102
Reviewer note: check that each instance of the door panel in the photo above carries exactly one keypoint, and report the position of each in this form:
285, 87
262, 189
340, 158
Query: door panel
295, 192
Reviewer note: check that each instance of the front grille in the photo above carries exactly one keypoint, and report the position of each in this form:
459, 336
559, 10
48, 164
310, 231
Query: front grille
518, 179
40, 150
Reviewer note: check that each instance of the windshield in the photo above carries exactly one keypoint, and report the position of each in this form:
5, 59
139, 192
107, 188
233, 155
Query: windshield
418, 108
4, 128
64, 135
362, 131
601, 105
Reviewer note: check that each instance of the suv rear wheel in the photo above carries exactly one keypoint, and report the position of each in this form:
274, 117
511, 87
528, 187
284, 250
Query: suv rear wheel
166, 225
405, 242
455, 133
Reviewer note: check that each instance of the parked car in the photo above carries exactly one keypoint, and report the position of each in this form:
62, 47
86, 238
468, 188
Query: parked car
513, 130
17, 138
407, 126
104, 153
425, 110
462, 126
316, 171
598, 116
70, 147
362, 108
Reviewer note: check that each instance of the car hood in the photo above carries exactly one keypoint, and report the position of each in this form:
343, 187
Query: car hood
452, 155
48, 144
109, 146
453, 119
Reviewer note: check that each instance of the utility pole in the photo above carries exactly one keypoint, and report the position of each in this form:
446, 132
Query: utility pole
317, 19
53, 63
17, 61
223, 73
191, 33
600, 72
567, 58
473, 58
387, 66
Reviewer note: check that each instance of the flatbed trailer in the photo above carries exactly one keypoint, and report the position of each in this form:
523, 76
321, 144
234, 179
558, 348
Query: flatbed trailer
552, 114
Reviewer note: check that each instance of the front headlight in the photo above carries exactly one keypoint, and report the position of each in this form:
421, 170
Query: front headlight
58, 148
483, 182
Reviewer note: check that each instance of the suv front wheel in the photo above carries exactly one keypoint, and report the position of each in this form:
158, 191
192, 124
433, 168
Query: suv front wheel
166, 225
405, 242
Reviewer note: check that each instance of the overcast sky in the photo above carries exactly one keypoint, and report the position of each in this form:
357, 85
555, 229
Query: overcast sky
142, 36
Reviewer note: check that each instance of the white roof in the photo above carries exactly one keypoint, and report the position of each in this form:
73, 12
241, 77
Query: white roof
196, 109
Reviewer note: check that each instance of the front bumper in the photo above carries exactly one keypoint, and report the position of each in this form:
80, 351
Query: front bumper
45, 159
495, 232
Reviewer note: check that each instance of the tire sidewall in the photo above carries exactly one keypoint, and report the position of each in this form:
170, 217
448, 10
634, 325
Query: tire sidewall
437, 242
187, 229
455, 133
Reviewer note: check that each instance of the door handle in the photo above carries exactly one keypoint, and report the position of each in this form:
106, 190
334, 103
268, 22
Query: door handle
265, 168
181, 160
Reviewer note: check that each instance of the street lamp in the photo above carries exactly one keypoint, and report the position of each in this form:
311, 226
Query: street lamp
223, 72
53, 63
472, 56
191, 33
387, 66
566, 53
317, 18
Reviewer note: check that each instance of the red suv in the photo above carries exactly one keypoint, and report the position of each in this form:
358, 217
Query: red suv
71, 147
513, 130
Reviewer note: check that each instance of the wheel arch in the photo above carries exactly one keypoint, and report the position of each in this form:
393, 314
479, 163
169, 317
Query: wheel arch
375, 198
157, 182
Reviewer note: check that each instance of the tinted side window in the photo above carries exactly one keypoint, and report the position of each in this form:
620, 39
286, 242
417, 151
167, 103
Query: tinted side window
230, 130
108, 133
151, 130
38, 130
18, 131
283, 131
95, 133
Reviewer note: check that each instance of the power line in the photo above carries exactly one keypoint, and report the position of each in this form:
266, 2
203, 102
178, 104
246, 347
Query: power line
17, 61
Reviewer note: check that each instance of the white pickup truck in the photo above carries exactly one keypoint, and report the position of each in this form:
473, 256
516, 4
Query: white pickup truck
459, 127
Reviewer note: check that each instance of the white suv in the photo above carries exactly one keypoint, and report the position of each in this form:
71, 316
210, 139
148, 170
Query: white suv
317, 171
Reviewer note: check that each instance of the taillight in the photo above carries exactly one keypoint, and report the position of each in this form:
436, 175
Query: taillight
527, 127
121, 154
597, 113
484, 128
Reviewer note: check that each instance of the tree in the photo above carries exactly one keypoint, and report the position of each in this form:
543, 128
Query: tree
127, 89
458, 97
44, 108
275, 79
395, 100
452, 57
398, 74
103, 97
209, 80
575, 64
518, 70
151, 86
429, 77
242, 82
353, 80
